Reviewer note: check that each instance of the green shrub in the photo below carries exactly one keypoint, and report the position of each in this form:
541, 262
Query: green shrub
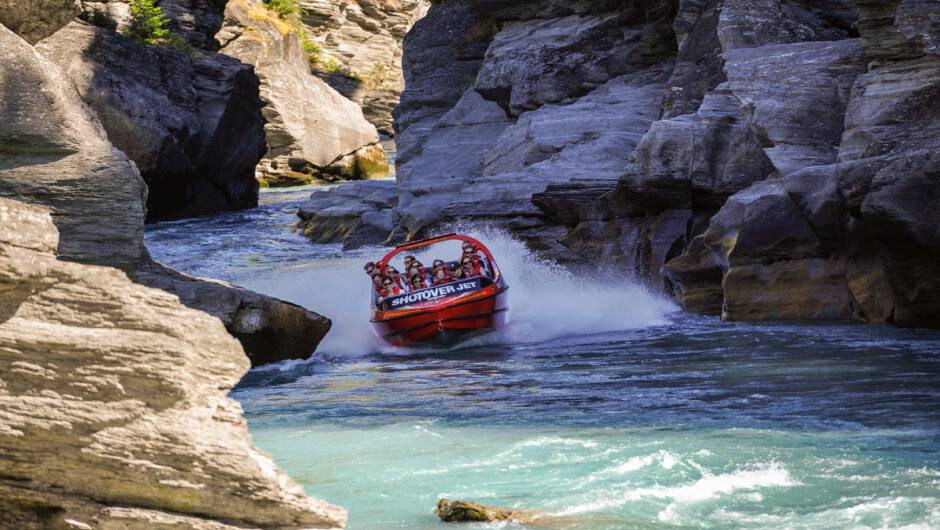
286, 9
99, 18
147, 21
332, 64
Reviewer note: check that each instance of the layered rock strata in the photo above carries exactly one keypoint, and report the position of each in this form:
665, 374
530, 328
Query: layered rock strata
114, 403
548, 94
193, 125
773, 160
312, 131
364, 39
354, 213
311, 128
54, 152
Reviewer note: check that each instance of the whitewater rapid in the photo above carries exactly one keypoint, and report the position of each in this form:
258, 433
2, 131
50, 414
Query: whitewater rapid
545, 300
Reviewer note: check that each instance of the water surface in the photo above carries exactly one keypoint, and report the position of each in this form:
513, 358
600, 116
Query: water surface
600, 405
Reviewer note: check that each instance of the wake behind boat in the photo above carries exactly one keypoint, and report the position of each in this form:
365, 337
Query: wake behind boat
451, 303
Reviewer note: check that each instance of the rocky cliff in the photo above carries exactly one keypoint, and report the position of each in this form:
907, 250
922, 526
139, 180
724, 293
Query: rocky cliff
114, 403
361, 50
192, 124
55, 152
753, 158
312, 130
203, 126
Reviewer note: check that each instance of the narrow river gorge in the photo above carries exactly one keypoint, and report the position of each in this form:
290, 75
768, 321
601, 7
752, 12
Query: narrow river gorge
600, 407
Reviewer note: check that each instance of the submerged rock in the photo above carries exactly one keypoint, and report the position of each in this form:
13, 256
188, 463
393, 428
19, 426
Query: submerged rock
466, 511
115, 407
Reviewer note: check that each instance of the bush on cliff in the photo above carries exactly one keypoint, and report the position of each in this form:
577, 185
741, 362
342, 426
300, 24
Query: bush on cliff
147, 27
147, 21
98, 18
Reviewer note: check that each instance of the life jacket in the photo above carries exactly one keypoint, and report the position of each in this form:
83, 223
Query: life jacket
395, 290
477, 267
397, 279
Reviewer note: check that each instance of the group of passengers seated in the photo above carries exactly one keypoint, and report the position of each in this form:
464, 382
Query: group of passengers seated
471, 263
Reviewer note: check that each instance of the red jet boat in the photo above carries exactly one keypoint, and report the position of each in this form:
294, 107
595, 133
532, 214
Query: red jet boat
442, 315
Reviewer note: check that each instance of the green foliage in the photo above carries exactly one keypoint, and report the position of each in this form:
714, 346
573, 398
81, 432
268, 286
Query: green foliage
99, 18
376, 75
147, 21
311, 48
175, 42
286, 9
332, 64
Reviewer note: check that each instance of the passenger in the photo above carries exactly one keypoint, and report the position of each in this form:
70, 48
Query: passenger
466, 263
396, 277
377, 287
370, 268
459, 273
479, 269
417, 282
388, 287
408, 260
469, 249
438, 264
441, 277
425, 273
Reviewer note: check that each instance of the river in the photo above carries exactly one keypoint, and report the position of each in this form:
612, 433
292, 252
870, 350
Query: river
599, 405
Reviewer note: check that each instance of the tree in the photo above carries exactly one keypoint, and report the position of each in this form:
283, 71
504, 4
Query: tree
147, 21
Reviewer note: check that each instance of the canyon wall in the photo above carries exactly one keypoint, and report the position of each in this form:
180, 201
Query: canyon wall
754, 159
114, 406
361, 49
55, 152
113, 396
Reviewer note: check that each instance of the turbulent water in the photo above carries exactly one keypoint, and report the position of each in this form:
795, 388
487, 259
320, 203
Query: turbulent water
599, 405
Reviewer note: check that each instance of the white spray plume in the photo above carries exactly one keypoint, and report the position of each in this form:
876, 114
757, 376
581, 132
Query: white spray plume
545, 300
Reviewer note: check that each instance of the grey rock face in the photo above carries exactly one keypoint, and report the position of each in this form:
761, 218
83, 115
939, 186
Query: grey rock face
34, 20
795, 96
193, 126
450, 159
366, 38
353, 213
310, 125
54, 152
790, 172
756, 23
115, 407
534, 62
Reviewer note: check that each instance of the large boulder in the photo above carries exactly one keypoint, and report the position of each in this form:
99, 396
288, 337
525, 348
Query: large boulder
366, 38
311, 127
353, 213
115, 407
193, 125
54, 152
35, 20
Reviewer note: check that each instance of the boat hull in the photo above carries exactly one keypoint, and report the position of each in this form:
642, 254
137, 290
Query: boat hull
445, 323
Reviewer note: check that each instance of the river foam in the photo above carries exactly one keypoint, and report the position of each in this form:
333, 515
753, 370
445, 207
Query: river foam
545, 301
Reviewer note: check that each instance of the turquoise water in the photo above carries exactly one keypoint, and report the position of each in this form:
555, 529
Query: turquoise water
599, 406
